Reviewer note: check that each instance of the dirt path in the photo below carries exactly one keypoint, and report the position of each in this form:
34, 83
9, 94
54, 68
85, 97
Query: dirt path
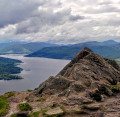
15, 100
13, 109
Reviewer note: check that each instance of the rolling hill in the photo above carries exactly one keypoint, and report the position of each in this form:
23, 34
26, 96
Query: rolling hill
109, 49
24, 48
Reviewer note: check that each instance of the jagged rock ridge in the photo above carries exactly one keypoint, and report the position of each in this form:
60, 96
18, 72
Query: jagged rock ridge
87, 71
87, 79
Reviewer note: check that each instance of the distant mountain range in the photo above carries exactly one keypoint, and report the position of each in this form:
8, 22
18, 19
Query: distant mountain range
5, 44
22, 48
109, 49
108, 42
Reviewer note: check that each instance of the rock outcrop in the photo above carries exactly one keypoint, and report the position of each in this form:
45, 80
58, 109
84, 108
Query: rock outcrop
89, 79
85, 74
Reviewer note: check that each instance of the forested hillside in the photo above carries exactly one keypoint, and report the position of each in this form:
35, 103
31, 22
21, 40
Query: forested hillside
68, 52
7, 67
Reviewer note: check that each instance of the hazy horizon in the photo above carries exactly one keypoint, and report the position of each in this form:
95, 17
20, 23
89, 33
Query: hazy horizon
23, 42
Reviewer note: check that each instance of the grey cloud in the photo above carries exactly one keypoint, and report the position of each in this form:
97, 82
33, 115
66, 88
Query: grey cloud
102, 9
105, 3
14, 11
113, 21
77, 17
46, 19
60, 21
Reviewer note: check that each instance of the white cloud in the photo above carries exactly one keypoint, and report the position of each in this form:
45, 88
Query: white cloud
60, 21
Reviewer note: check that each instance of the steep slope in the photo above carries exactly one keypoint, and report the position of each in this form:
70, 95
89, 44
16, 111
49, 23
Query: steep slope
87, 79
87, 70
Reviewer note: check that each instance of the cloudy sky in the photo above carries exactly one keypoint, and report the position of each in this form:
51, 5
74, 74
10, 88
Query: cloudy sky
59, 21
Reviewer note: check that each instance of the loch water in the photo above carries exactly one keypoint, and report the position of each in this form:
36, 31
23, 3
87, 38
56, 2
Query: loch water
35, 71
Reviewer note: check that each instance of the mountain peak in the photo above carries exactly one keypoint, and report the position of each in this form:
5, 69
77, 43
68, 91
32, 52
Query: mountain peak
87, 79
110, 42
87, 70
87, 49
81, 54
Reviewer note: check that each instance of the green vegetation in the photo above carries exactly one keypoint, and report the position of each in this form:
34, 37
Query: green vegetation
4, 104
91, 108
7, 67
3, 107
24, 107
29, 90
43, 112
34, 114
63, 109
7, 95
9, 77
107, 90
68, 52
54, 115
80, 112
115, 88
14, 115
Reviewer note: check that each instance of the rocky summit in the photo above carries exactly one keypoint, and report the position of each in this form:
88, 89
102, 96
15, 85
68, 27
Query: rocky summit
89, 86
85, 74
83, 85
